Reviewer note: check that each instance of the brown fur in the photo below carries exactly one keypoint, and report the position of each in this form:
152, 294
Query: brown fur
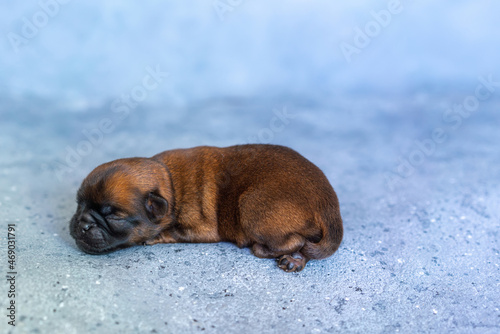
266, 197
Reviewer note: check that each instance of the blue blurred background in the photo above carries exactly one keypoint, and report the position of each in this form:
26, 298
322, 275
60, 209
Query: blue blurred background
389, 98
84, 52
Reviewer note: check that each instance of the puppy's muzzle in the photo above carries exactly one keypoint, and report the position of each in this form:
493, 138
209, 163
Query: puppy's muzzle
91, 232
89, 220
85, 222
86, 226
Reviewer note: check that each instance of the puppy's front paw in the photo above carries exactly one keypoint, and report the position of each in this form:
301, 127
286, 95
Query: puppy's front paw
151, 242
160, 239
292, 263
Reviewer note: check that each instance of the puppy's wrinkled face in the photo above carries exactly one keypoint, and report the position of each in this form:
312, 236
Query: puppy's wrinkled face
120, 204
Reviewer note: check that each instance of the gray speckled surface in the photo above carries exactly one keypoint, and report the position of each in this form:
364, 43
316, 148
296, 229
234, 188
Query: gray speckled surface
419, 255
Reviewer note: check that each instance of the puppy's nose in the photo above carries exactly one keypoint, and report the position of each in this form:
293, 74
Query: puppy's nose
86, 226
86, 222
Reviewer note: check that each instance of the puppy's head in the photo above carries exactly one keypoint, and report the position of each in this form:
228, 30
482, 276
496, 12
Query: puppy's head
122, 203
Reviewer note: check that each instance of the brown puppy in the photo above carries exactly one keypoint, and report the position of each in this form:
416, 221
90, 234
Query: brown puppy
266, 197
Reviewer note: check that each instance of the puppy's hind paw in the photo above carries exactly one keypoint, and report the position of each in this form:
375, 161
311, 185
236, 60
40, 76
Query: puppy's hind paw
292, 263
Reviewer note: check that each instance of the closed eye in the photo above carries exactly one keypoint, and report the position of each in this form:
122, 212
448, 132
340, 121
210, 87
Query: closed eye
118, 224
112, 214
115, 218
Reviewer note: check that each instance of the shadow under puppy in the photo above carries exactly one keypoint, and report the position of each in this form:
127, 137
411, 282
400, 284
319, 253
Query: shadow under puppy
266, 197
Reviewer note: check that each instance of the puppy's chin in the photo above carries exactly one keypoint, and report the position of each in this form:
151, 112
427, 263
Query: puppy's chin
89, 249
93, 250
95, 241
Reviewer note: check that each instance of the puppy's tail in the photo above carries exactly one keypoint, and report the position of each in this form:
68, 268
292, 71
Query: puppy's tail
330, 224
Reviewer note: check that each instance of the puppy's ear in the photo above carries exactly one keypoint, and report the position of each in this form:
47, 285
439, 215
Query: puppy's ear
156, 207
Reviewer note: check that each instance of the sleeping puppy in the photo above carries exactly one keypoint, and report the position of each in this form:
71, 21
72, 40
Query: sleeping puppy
266, 197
